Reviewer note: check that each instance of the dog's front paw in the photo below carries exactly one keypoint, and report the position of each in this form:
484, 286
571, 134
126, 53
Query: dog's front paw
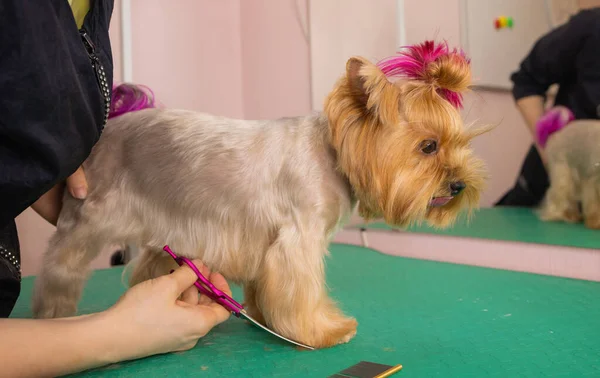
593, 222
51, 307
54, 309
551, 213
339, 330
572, 216
322, 329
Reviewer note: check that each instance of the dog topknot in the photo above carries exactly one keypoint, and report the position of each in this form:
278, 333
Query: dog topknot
552, 121
128, 97
448, 71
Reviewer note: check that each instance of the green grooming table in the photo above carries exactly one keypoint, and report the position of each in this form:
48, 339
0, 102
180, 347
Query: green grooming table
436, 319
510, 224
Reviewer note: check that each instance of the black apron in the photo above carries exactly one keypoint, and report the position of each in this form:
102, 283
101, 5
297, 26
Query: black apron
55, 83
531, 185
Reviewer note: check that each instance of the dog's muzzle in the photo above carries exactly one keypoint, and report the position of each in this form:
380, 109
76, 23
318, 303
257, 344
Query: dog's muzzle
455, 189
440, 201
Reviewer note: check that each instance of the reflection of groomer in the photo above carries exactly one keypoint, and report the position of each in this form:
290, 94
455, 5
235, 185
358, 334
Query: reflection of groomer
570, 57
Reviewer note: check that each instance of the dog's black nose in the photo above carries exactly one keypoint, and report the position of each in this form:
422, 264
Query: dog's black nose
457, 187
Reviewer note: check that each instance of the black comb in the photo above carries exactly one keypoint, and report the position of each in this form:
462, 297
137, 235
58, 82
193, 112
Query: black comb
365, 369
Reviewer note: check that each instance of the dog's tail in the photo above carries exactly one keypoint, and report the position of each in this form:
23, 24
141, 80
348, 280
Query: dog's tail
128, 97
555, 119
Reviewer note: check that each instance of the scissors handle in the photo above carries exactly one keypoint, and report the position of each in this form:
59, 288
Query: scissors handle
206, 287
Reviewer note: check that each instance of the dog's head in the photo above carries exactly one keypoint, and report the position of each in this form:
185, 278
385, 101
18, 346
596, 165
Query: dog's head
400, 139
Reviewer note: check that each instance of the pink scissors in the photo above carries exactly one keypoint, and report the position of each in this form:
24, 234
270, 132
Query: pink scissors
207, 288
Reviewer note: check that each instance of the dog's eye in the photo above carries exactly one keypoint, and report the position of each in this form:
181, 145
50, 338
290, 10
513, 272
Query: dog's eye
428, 146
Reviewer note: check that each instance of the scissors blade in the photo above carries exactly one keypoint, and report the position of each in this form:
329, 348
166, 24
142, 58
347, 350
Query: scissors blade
253, 321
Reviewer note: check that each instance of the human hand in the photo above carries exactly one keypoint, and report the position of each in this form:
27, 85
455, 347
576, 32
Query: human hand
165, 314
48, 206
532, 109
77, 184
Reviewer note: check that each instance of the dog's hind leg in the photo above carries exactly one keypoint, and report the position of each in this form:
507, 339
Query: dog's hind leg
150, 263
291, 291
560, 202
590, 202
65, 268
250, 302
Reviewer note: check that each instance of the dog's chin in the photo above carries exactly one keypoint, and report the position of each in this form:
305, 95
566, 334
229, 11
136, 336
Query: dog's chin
440, 201
443, 211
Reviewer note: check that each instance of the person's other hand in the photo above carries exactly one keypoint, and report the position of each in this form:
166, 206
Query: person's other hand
49, 205
77, 184
165, 314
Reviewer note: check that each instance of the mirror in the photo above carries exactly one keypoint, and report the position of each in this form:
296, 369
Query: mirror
520, 240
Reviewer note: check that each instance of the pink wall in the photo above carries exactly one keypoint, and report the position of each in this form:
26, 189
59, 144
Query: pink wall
367, 30
245, 59
189, 53
275, 59
115, 40
426, 19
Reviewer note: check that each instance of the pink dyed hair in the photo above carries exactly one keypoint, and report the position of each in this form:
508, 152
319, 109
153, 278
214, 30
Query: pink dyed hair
129, 97
555, 119
412, 62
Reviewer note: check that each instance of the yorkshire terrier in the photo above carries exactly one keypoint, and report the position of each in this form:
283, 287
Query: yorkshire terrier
259, 201
572, 150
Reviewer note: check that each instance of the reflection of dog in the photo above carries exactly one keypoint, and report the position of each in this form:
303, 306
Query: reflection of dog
259, 200
573, 163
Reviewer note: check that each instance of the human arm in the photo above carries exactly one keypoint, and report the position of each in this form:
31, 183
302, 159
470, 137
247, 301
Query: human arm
532, 109
157, 316
552, 60
48, 206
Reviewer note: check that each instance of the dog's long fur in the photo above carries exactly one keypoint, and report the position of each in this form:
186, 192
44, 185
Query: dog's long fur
259, 201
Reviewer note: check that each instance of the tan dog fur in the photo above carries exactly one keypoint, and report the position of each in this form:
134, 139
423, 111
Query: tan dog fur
259, 201
573, 164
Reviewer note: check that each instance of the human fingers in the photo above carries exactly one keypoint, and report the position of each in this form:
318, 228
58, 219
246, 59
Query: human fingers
220, 282
77, 184
204, 300
220, 313
184, 277
217, 314
187, 346
203, 269
190, 296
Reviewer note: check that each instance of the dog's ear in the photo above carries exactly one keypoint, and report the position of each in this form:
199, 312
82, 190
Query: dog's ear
356, 80
371, 89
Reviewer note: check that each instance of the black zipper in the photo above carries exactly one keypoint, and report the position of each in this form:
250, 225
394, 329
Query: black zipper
12, 260
100, 73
